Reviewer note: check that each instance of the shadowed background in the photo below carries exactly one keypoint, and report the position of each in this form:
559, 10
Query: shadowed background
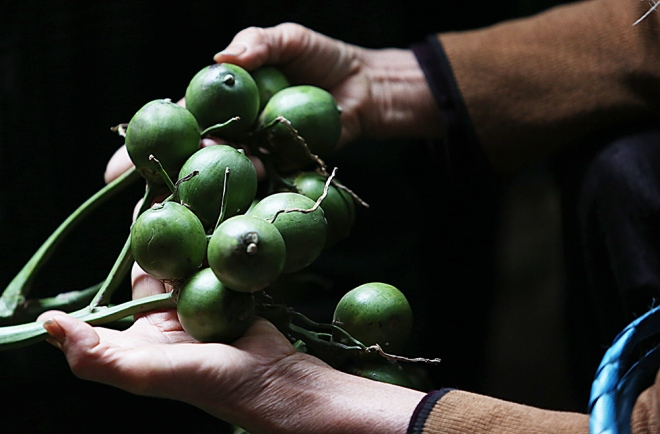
486, 293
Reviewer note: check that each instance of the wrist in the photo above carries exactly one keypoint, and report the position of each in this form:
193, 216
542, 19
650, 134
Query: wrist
303, 395
401, 95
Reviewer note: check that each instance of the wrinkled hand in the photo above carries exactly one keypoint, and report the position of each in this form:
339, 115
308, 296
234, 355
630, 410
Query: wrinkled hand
155, 357
305, 56
260, 382
383, 93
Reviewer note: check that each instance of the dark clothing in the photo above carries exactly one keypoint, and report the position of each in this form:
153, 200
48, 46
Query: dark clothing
505, 106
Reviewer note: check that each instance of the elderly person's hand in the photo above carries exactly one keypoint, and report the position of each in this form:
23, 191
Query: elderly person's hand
260, 382
383, 93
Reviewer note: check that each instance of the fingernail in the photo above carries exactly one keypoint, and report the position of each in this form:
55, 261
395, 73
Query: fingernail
232, 50
56, 333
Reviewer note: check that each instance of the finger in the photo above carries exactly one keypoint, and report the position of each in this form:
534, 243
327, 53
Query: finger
144, 284
45, 317
210, 141
259, 167
91, 355
77, 340
119, 163
248, 49
137, 208
303, 55
256, 46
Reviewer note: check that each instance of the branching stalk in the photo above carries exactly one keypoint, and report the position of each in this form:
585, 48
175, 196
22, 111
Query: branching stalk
124, 261
65, 301
17, 336
314, 207
19, 288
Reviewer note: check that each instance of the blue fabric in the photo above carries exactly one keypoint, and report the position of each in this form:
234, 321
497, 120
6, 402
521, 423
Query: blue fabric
628, 367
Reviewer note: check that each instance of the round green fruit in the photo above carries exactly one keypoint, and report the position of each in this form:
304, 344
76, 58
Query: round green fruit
338, 205
210, 312
168, 241
313, 113
303, 232
246, 253
165, 130
375, 313
269, 80
220, 92
204, 192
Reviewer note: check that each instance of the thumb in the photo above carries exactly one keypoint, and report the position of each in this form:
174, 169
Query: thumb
78, 341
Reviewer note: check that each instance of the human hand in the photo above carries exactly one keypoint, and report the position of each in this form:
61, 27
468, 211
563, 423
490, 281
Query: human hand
383, 93
260, 382
155, 357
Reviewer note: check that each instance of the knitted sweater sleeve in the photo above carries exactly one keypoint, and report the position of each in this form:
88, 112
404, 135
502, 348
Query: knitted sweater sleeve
456, 411
516, 92
534, 85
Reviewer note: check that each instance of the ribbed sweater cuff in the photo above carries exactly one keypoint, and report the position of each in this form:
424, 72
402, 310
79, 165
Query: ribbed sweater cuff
464, 160
423, 410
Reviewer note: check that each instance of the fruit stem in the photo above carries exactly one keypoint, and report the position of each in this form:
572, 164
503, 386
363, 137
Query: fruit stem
331, 352
298, 138
316, 205
394, 358
223, 203
219, 127
341, 186
124, 261
163, 173
120, 129
174, 197
18, 289
17, 336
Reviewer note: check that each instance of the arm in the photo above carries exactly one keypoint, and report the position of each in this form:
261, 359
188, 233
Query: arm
383, 93
260, 383
513, 128
533, 86
264, 385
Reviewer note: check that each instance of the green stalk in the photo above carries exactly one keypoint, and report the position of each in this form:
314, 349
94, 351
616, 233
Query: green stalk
22, 335
124, 261
18, 289
119, 270
65, 301
219, 127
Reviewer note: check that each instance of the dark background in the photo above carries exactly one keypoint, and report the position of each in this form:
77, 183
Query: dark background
71, 69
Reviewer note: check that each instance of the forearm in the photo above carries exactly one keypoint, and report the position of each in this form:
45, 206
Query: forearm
308, 396
535, 85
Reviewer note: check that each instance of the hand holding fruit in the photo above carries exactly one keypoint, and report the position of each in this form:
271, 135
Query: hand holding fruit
237, 382
382, 93
205, 256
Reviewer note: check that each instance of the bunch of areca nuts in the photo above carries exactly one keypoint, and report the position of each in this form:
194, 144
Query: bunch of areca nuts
223, 233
